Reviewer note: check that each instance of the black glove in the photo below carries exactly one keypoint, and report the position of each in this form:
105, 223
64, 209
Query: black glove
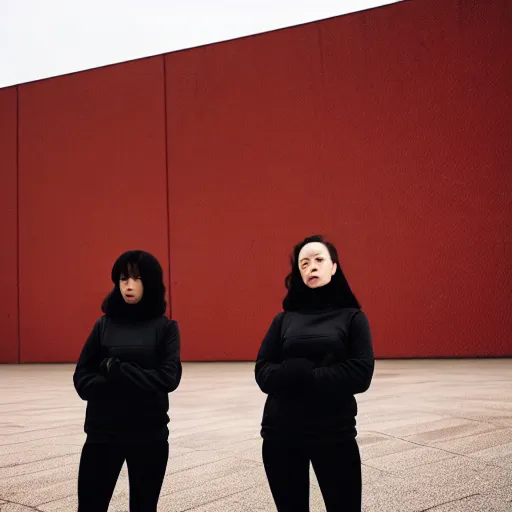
329, 359
114, 369
298, 371
110, 367
104, 367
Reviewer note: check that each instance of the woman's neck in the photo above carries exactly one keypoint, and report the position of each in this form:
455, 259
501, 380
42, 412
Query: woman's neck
311, 299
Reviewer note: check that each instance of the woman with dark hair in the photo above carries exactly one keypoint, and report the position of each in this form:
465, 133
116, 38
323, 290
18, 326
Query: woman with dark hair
316, 355
128, 366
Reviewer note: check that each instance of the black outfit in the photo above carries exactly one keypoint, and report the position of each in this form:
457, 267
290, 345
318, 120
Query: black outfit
337, 467
315, 357
127, 407
101, 463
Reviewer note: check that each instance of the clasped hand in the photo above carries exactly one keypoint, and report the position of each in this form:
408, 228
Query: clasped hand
110, 367
300, 369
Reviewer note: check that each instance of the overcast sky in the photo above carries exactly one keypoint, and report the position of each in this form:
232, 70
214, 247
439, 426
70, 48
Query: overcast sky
44, 38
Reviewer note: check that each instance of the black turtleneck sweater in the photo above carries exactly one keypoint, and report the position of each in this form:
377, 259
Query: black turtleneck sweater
312, 362
131, 403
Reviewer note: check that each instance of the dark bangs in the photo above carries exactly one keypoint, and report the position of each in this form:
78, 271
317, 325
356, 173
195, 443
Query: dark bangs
127, 265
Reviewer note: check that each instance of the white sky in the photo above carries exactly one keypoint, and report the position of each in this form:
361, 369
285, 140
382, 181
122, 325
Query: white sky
44, 38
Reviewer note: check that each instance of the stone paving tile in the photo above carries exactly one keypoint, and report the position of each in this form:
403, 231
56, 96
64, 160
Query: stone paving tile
387, 446
397, 462
473, 504
69, 461
35, 454
446, 428
459, 475
475, 443
14, 507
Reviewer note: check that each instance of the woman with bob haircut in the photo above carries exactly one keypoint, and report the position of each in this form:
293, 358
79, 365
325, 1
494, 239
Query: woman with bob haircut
126, 370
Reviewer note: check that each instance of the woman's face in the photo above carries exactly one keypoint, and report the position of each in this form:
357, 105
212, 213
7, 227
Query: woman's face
131, 289
315, 265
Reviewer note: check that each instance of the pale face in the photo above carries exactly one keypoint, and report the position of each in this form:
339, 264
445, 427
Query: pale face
131, 289
315, 265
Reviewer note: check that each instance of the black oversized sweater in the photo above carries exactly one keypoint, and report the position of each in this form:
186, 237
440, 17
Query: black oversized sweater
132, 404
318, 403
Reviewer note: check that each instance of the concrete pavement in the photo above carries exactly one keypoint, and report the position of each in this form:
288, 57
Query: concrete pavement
434, 435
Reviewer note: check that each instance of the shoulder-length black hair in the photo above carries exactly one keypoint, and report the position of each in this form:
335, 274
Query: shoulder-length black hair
139, 264
339, 291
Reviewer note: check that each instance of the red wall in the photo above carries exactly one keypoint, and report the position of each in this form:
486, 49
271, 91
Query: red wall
92, 175
384, 129
8, 228
387, 130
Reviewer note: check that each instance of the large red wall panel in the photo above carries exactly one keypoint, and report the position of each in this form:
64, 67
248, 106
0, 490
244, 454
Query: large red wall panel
8, 227
92, 185
387, 130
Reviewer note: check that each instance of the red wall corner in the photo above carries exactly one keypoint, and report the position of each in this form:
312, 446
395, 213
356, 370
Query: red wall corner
9, 335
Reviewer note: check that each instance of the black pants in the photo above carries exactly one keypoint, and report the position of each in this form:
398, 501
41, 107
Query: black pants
101, 463
337, 468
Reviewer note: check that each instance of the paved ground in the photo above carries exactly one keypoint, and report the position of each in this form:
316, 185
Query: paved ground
434, 435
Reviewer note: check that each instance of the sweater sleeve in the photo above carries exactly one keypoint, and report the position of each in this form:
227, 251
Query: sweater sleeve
269, 362
86, 378
354, 375
167, 376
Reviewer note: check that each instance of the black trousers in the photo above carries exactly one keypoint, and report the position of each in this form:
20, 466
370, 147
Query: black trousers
101, 463
337, 467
